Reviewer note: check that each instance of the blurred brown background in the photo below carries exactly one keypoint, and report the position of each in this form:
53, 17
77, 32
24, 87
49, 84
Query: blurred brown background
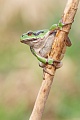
20, 75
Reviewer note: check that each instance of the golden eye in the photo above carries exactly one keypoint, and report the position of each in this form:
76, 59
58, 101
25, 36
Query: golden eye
29, 33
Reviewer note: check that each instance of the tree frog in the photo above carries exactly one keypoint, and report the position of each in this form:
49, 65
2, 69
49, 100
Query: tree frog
40, 43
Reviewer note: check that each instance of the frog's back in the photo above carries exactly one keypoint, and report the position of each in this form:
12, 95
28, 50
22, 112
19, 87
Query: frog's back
48, 45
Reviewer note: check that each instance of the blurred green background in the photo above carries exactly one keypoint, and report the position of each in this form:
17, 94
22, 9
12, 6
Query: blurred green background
20, 75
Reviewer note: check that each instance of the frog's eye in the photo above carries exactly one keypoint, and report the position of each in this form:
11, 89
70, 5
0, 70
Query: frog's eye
29, 33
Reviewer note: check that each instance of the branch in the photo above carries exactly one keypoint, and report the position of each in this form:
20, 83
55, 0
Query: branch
57, 52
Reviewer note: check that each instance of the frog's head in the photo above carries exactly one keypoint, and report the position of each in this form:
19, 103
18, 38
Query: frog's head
30, 38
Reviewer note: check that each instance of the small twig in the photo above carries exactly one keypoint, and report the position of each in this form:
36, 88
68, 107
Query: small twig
57, 52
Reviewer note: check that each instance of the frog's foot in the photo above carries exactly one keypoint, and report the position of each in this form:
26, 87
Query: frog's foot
57, 64
49, 61
61, 24
41, 64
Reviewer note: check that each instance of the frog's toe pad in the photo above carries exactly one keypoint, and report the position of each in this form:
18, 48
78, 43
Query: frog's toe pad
41, 64
57, 64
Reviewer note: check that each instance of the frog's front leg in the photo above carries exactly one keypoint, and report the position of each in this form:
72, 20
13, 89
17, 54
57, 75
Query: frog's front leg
49, 61
44, 61
59, 26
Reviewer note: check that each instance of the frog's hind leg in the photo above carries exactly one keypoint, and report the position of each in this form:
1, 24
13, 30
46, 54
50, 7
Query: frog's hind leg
68, 42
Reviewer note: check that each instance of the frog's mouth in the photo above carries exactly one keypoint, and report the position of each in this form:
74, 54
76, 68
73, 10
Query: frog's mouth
28, 40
